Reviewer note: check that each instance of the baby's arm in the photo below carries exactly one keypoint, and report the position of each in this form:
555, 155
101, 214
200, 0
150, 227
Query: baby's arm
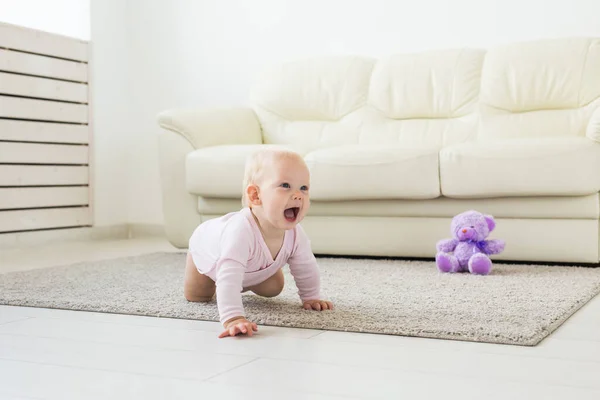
493, 246
305, 270
230, 275
235, 251
446, 245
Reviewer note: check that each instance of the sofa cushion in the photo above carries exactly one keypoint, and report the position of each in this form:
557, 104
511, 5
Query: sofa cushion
561, 166
359, 172
544, 87
321, 88
544, 74
218, 171
430, 84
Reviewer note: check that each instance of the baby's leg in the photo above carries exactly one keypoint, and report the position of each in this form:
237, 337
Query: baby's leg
197, 287
271, 287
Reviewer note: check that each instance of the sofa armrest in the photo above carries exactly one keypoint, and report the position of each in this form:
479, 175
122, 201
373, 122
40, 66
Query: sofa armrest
593, 128
184, 131
213, 127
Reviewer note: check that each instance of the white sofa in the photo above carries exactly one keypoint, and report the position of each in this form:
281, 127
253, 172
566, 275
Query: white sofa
397, 146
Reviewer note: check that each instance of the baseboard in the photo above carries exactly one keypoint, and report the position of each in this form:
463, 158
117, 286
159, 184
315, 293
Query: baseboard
146, 230
109, 232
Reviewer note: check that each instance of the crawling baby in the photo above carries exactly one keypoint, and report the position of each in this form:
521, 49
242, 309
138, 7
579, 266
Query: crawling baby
246, 250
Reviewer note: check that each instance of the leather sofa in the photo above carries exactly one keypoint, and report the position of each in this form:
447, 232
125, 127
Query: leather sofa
397, 146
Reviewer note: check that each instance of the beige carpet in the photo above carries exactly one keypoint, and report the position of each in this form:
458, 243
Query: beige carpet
517, 304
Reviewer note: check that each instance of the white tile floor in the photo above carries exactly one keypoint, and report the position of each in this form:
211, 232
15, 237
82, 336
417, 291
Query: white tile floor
57, 354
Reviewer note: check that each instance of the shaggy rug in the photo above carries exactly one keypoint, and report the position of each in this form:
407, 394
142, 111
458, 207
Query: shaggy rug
516, 304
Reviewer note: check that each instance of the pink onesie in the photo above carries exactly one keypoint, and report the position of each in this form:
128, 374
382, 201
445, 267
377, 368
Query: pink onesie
232, 252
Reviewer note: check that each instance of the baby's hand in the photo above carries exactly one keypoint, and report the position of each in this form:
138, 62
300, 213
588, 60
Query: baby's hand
318, 305
239, 326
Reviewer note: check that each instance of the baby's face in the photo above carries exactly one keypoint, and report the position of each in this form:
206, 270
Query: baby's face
284, 193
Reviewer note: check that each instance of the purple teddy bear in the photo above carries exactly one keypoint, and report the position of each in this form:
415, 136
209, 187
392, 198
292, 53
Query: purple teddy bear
470, 248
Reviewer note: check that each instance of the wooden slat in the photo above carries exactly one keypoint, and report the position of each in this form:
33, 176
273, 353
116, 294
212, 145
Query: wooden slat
39, 175
35, 153
22, 220
32, 64
35, 41
44, 88
12, 198
43, 110
29, 131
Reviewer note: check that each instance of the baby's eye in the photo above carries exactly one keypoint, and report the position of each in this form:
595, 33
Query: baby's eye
285, 185
304, 188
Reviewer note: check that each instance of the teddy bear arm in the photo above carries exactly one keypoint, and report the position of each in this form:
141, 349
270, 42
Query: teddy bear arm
494, 246
447, 245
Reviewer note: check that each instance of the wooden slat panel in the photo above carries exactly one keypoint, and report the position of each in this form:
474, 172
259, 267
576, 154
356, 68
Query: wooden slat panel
43, 197
21, 220
35, 41
29, 131
34, 153
44, 110
32, 64
39, 175
29, 86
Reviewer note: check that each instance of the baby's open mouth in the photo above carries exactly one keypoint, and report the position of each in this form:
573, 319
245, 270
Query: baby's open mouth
291, 214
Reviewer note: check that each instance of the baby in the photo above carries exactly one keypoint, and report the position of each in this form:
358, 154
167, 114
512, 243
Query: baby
246, 250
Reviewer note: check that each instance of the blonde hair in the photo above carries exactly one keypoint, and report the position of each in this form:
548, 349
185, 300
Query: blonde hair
257, 164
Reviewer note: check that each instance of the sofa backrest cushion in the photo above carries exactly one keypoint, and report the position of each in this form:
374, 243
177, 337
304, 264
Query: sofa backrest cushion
547, 87
315, 89
435, 84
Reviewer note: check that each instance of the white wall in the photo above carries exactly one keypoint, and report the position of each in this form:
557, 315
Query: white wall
64, 17
155, 65
206, 53
111, 113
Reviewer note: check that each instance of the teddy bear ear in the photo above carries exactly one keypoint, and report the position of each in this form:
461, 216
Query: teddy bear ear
490, 222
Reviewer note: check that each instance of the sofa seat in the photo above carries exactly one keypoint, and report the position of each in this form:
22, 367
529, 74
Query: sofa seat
554, 166
362, 172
